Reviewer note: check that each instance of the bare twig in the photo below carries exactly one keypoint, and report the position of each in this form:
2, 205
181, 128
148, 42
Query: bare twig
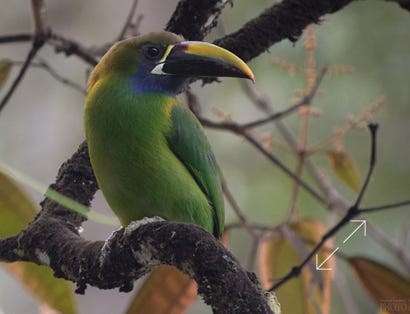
305, 101
367, 210
31, 54
128, 21
39, 15
43, 65
373, 129
71, 47
235, 206
40, 34
9, 39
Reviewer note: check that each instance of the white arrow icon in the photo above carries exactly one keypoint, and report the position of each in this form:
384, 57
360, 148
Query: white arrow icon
362, 223
319, 267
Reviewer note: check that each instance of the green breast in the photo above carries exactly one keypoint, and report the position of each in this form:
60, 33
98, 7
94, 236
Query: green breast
136, 170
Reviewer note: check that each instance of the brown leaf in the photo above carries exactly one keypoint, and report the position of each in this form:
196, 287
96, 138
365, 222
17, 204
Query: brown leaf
278, 255
165, 291
388, 289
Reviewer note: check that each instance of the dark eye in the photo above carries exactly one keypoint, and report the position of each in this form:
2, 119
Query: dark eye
152, 52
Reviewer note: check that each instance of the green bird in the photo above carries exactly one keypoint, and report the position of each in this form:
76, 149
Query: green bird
148, 151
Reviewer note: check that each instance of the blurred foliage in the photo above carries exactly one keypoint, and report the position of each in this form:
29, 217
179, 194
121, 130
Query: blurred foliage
387, 288
16, 211
312, 290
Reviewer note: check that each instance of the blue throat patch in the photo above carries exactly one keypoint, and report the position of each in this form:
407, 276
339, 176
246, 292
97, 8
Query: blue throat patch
143, 81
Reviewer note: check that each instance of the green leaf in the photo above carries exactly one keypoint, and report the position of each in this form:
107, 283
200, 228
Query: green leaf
16, 211
5, 68
388, 289
346, 169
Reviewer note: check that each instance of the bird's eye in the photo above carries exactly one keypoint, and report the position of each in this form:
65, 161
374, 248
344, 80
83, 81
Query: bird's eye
152, 52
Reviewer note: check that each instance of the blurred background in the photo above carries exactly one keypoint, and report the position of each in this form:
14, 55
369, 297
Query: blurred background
42, 124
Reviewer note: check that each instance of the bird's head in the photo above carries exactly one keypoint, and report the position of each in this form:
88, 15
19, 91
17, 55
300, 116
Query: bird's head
162, 62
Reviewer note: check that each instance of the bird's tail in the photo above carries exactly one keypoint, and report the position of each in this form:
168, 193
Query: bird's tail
165, 291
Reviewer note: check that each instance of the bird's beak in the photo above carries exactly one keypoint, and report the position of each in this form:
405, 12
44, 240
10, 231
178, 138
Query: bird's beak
200, 59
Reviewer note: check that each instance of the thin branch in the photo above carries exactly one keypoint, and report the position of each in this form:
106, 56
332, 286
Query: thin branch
273, 117
305, 101
37, 44
41, 64
71, 47
59, 42
243, 221
9, 39
39, 15
373, 131
367, 210
235, 206
128, 21
40, 33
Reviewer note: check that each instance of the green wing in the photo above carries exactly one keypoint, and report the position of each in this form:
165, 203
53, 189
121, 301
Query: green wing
188, 142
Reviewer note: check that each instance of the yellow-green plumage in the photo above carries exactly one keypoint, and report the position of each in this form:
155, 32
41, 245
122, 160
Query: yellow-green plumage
149, 153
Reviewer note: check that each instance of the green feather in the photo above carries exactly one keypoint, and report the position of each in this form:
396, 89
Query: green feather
187, 140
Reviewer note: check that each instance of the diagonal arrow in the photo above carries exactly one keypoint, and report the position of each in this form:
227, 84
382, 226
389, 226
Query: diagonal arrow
362, 223
319, 267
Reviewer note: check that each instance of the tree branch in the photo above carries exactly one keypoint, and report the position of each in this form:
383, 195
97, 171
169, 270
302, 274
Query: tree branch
132, 252
285, 20
194, 19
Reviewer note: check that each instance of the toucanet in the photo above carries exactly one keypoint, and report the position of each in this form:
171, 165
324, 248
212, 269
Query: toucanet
148, 151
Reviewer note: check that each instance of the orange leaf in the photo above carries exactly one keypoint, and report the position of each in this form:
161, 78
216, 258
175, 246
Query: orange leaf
346, 169
388, 289
165, 291
278, 255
